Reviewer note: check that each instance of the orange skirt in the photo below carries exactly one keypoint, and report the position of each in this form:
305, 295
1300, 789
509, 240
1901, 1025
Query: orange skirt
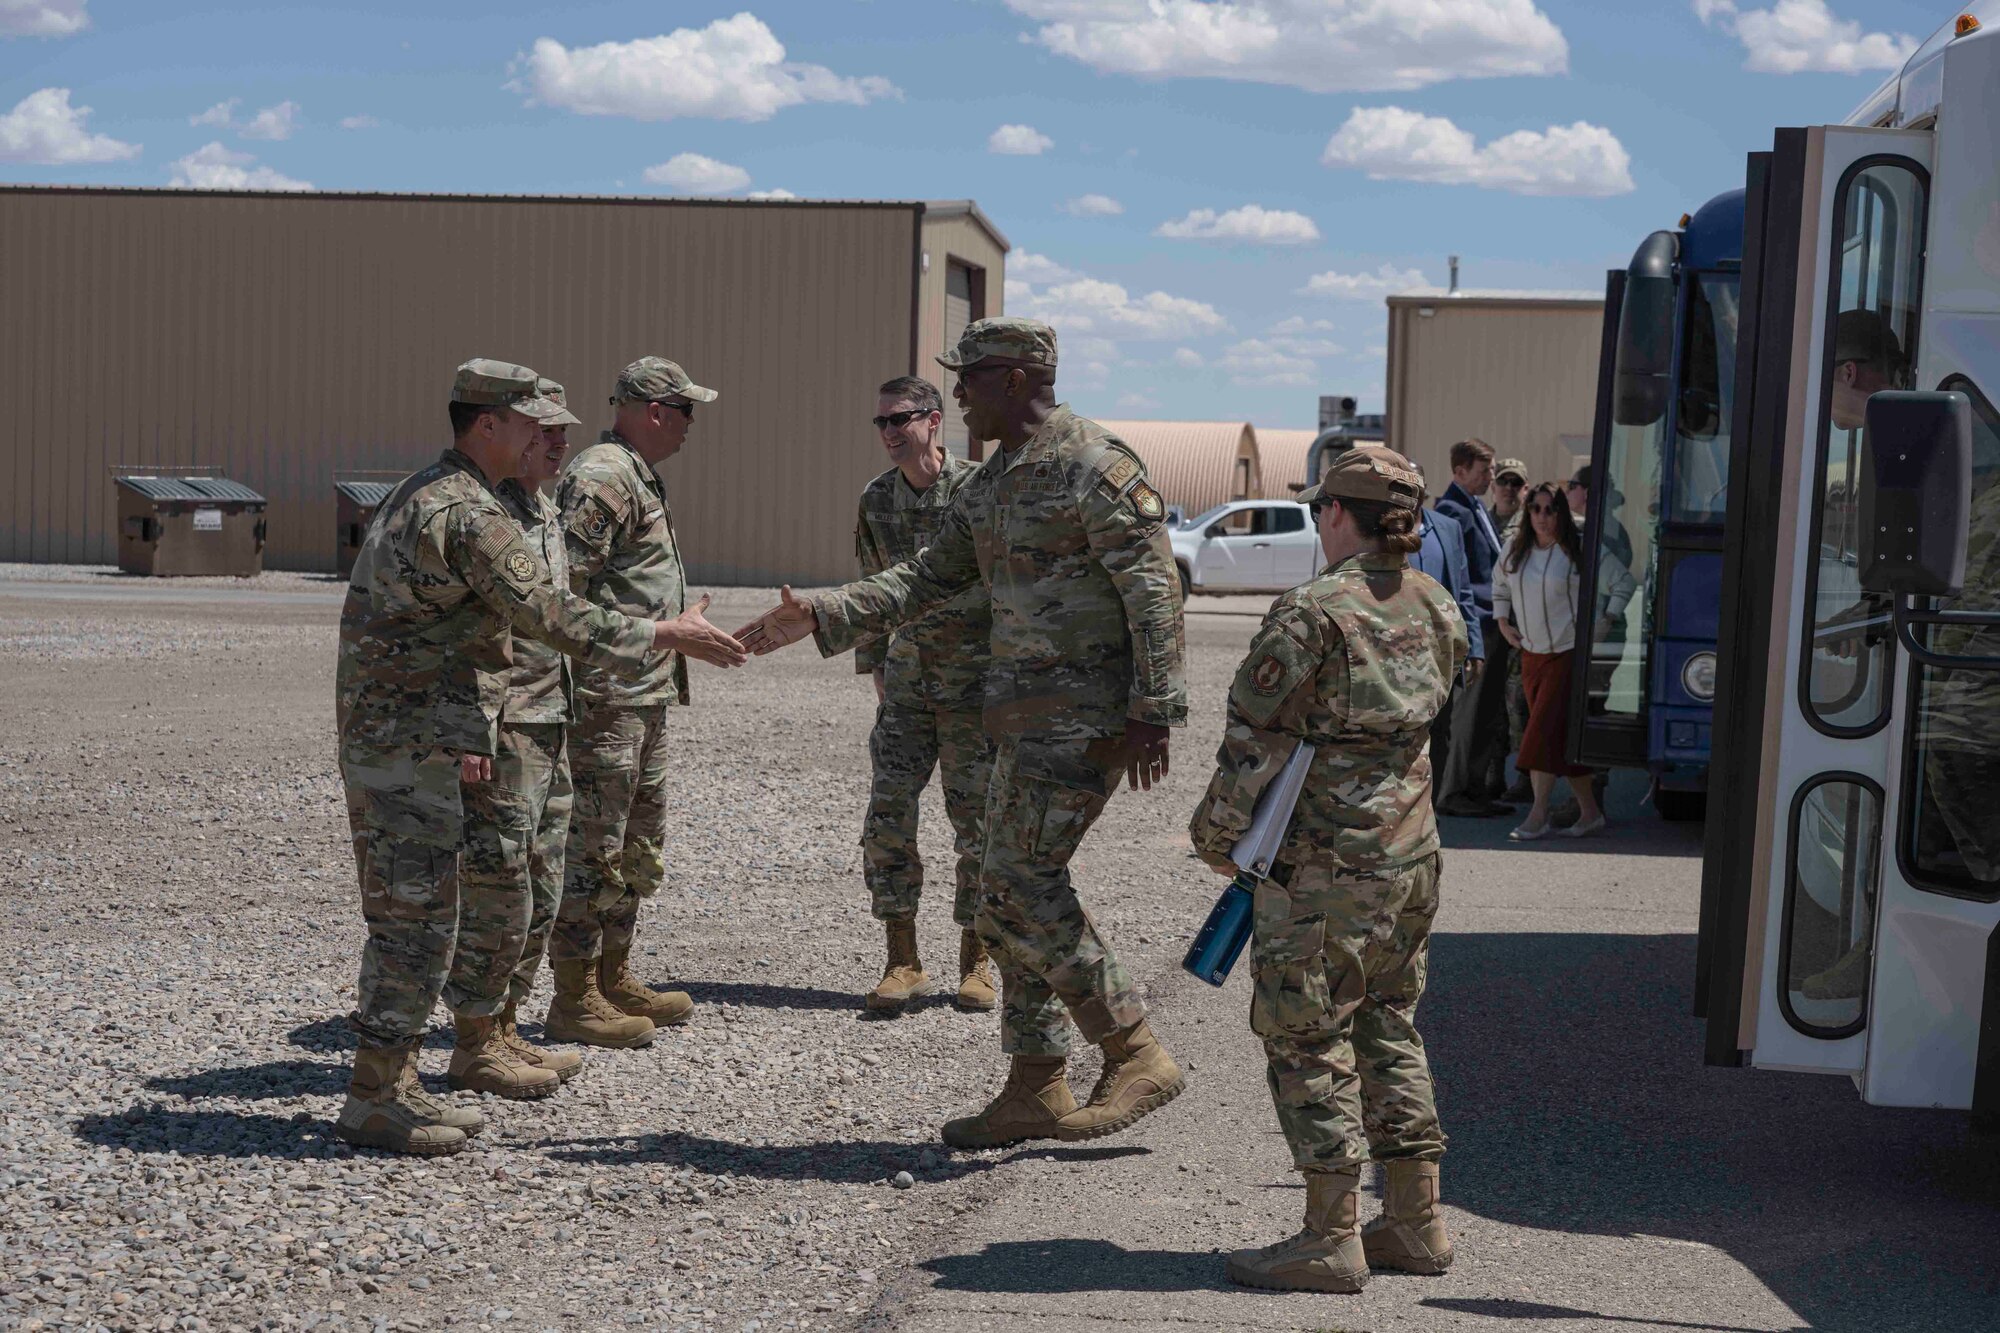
1545, 683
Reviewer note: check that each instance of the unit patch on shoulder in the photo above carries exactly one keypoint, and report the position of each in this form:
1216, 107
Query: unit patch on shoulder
1267, 676
1121, 472
1147, 501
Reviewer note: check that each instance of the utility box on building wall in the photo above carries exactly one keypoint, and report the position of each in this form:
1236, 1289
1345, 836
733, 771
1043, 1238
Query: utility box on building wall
175, 523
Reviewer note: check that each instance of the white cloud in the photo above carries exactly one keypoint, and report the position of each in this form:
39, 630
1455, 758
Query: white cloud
1301, 337
1091, 305
360, 123
222, 114
1019, 141
1030, 267
214, 167
1187, 358
1255, 361
1092, 206
1363, 286
43, 18
1251, 222
770, 194
734, 69
273, 122
1803, 36
691, 173
43, 128
1362, 46
1390, 143
1140, 400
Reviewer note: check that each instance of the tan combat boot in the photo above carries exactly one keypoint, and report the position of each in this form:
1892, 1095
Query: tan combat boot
1031, 1105
1326, 1255
903, 979
627, 994
564, 1064
580, 1013
380, 1111
1139, 1078
483, 1062
1410, 1233
975, 974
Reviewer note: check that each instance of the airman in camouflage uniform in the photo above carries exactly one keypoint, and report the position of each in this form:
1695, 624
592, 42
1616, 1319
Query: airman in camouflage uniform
622, 556
1355, 663
444, 580
930, 677
1068, 539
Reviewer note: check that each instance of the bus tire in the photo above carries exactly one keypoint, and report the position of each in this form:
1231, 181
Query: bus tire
1681, 807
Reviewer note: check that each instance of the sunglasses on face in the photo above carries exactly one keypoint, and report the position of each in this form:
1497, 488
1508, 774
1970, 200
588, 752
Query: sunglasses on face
1541, 509
899, 419
1511, 483
685, 409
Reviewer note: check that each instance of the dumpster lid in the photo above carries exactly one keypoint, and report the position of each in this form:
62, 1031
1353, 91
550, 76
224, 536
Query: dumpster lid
369, 494
190, 488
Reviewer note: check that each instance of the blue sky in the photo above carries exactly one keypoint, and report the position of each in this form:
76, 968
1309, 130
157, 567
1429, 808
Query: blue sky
1277, 165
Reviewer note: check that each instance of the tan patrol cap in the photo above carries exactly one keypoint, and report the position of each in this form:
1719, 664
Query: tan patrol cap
652, 378
1513, 465
548, 390
1028, 341
1369, 472
487, 383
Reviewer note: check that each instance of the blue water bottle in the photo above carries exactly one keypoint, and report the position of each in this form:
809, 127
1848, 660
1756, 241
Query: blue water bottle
1220, 941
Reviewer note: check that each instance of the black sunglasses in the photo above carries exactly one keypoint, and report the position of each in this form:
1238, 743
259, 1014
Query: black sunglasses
685, 409
1541, 509
900, 419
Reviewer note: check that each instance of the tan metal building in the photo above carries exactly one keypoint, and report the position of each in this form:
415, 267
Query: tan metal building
286, 337
1518, 369
1281, 455
1195, 464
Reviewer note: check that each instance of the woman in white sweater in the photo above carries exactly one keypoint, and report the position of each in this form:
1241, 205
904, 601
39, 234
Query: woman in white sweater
1535, 588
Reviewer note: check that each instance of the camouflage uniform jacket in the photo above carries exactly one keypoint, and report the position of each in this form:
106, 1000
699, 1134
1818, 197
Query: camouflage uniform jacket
1069, 541
1357, 662
939, 659
623, 557
539, 687
444, 580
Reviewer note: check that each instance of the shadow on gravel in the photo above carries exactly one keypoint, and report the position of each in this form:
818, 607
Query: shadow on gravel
1050, 1267
334, 1034
1500, 1308
212, 1133
754, 996
279, 1078
838, 1161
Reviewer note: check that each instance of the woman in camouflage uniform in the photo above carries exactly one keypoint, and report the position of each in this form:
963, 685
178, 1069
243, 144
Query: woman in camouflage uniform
1356, 663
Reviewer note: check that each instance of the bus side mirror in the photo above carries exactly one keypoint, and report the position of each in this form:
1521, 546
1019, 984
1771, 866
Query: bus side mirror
1916, 493
1643, 374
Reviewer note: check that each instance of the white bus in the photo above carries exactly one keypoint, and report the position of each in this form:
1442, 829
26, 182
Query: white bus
1850, 916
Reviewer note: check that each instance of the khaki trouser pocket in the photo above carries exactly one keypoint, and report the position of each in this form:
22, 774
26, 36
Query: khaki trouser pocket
1291, 996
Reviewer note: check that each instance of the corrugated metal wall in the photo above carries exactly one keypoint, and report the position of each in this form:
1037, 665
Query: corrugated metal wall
1281, 456
952, 234
1520, 375
1195, 464
286, 337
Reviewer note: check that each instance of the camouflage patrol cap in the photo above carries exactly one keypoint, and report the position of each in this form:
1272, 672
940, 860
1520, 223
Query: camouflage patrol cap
651, 378
1025, 340
549, 391
487, 383
1369, 472
1511, 467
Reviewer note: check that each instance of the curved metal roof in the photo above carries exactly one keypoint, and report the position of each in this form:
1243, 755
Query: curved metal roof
1282, 456
1193, 463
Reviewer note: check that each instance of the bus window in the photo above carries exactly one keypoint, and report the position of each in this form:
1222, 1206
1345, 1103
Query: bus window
1836, 841
1870, 345
1629, 492
1951, 833
1707, 390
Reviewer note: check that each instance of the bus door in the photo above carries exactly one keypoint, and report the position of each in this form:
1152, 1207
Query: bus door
1806, 751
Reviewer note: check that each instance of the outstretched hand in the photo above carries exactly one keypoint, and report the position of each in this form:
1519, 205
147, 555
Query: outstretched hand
787, 622
690, 633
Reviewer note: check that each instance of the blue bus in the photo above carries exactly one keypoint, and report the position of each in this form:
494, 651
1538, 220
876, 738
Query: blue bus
1658, 490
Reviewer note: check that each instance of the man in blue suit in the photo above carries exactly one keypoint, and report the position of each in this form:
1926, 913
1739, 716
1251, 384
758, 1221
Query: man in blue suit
1479, 714
1442, 556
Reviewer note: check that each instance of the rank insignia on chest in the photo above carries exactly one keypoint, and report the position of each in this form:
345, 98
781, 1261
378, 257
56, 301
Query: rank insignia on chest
1267, 676
521, 567
1147, 501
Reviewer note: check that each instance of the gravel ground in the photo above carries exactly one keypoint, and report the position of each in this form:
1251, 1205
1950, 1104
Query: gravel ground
178, 948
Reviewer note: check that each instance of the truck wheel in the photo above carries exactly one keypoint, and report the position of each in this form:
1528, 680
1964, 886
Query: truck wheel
1681, 807
1187, 589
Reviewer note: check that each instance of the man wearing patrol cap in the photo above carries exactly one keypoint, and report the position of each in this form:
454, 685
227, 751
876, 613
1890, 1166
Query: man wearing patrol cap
1355, 663
1867, 358
1510, 480
1086, 678
443, 580
622, 556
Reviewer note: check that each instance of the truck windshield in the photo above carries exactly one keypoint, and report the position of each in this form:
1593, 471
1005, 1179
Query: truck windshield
1706, 392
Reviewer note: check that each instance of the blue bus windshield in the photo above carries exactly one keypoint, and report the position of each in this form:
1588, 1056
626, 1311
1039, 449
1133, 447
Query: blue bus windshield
1707, 389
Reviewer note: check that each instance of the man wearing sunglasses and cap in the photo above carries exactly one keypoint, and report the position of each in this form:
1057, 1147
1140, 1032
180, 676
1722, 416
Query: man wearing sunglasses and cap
1355, 663
444, 580
1061, 527
930, 677
623, 556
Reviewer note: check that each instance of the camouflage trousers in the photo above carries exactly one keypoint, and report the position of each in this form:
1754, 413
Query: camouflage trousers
515, 826
407, 816
616, 852
1054, 967
1340, 958
906, 744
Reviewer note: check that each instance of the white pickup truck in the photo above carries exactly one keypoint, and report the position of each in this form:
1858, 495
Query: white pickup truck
1247, 546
